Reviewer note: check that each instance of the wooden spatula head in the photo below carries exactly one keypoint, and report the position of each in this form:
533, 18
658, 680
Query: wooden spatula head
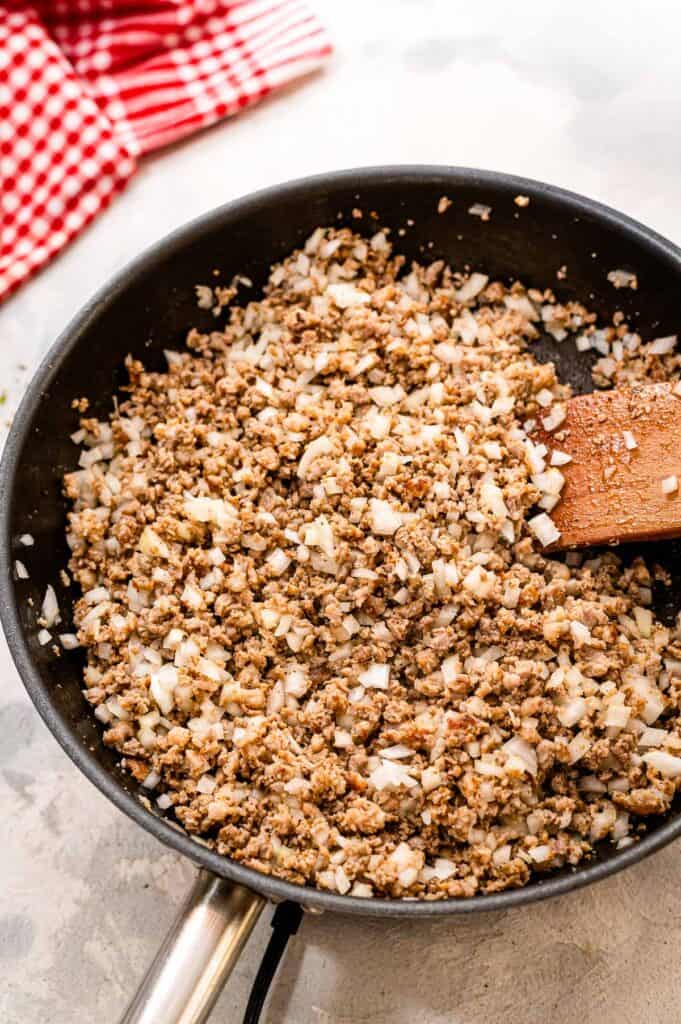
614, 492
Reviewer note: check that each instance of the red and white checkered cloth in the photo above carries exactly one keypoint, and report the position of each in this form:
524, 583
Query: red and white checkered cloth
88, 86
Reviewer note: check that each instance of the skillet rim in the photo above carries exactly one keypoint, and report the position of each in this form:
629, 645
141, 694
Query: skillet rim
75, 748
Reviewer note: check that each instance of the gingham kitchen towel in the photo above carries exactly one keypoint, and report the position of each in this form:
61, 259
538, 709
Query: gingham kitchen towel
88, 86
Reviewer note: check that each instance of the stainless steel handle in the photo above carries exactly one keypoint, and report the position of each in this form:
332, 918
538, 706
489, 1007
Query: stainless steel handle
198, 954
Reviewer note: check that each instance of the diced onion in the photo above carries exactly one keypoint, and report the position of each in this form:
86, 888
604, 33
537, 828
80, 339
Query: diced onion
519, 748
396, 752
480, 210
554, 418
376, 676
385, 519
346, 295
652, 737
644, 620
623, 279
580, 633
151, 544
50, 608
391, 775
572, 712
320, 446
662, 346
278, 561
551, 481
472, 287
665, 764
544, 529
578, 747
430, 779
492, 498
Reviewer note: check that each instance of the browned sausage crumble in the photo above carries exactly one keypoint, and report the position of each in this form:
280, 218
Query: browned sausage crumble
318, 620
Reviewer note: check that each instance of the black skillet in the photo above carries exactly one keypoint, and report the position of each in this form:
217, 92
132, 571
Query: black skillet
148, 307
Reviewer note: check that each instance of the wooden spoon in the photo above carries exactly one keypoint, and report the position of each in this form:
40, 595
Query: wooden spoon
615, 492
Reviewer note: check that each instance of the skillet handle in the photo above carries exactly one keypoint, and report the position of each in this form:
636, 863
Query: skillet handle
197, 955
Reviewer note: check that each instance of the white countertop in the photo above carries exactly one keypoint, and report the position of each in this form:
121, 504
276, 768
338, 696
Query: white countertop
580, 95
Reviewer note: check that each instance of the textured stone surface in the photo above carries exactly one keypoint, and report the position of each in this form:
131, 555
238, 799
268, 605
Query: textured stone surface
572, 94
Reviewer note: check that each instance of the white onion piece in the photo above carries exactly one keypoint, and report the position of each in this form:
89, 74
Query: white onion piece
319, 534
192, 597
544, 529
320, 446
522, 750
480, 210
644, 620
342, 739
580, 633
346, 295
572, 712
578, 747
665, 764
384, 519
296, 683
50, 608
472, 287
397, 752
551, 481
376, 676
278, 561
662, 346
652, 737
492, 499
554, 418
430, 779
152, 780
384, 396
391, 775
617, 715
151, 544
209, 510
623, 279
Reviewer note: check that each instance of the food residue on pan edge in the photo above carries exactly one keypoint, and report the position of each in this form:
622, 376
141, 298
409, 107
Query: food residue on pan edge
318, 619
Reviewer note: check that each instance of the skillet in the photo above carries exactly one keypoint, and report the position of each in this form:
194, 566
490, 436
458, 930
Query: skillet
149, 306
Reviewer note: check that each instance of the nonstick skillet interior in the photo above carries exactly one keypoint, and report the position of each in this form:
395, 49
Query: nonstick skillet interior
150, 307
